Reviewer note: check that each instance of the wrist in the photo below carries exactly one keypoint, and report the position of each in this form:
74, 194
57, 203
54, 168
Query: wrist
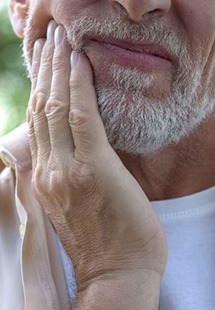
128, 290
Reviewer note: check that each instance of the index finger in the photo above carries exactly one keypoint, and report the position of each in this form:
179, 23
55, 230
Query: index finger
86, 124
38, 48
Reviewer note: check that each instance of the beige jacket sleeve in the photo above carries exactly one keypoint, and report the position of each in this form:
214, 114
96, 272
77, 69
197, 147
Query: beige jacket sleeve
11, 291
31, 270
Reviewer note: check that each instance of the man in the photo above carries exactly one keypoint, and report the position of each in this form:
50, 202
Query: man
153, 75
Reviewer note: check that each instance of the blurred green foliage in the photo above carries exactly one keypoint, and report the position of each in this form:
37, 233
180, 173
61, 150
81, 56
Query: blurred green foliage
14, 84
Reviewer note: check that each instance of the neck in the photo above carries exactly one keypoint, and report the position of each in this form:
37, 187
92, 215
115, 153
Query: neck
177, 170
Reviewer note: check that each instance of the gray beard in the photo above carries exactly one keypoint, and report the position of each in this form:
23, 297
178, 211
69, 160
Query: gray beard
139, 125
137, 121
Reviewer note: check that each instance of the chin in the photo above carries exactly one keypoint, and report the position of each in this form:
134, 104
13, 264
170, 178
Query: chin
139, 122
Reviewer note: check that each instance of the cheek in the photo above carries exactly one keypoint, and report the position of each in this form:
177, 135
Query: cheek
208, 76
64, 11
198, 22
41, 12
36, 26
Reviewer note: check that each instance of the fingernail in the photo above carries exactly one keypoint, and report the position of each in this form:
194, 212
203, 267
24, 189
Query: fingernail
74, 60
59, 35
51, 28
37, 49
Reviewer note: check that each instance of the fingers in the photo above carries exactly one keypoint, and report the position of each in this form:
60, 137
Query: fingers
49, 128
65, 115
41, 95
57, 108
38, 47
45, 70
87, 127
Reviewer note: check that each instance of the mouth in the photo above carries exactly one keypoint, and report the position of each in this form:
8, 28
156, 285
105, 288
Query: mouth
147, 56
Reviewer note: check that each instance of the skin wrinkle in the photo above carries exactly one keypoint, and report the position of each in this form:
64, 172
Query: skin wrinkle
165, 114
208, 74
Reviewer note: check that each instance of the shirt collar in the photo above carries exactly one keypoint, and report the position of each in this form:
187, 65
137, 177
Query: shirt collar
15, 149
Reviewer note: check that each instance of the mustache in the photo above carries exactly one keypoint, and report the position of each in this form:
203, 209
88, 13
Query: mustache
85, 28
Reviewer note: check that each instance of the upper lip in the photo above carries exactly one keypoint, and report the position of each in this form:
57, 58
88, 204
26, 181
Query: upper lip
149, 48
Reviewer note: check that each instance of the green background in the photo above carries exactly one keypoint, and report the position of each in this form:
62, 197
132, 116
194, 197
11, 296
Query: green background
14, 84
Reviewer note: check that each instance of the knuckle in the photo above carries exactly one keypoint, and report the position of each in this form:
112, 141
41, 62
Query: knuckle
83, 179
47, 58
38, 100
48, 184
78, 118
56, 185
54, 106
38, 183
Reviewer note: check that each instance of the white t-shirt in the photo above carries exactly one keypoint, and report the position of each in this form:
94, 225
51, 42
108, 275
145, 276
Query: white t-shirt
189, 279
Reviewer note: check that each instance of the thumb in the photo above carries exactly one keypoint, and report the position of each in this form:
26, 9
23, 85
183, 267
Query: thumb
87, 127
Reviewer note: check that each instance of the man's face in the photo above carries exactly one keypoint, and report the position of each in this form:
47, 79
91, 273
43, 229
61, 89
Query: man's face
153, 74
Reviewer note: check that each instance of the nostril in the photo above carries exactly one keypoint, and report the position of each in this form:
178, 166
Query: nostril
155, 11
158, 13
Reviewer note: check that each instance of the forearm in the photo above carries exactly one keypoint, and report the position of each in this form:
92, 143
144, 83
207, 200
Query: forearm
139, 291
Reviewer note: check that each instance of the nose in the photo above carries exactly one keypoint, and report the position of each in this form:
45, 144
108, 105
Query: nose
136, 9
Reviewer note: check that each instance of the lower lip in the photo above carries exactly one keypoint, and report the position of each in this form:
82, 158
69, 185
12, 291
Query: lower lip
126, 58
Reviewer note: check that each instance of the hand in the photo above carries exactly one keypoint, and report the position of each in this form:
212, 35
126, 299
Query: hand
97, 208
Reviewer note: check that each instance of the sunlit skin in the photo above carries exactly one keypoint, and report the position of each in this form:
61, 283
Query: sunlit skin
177, 170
